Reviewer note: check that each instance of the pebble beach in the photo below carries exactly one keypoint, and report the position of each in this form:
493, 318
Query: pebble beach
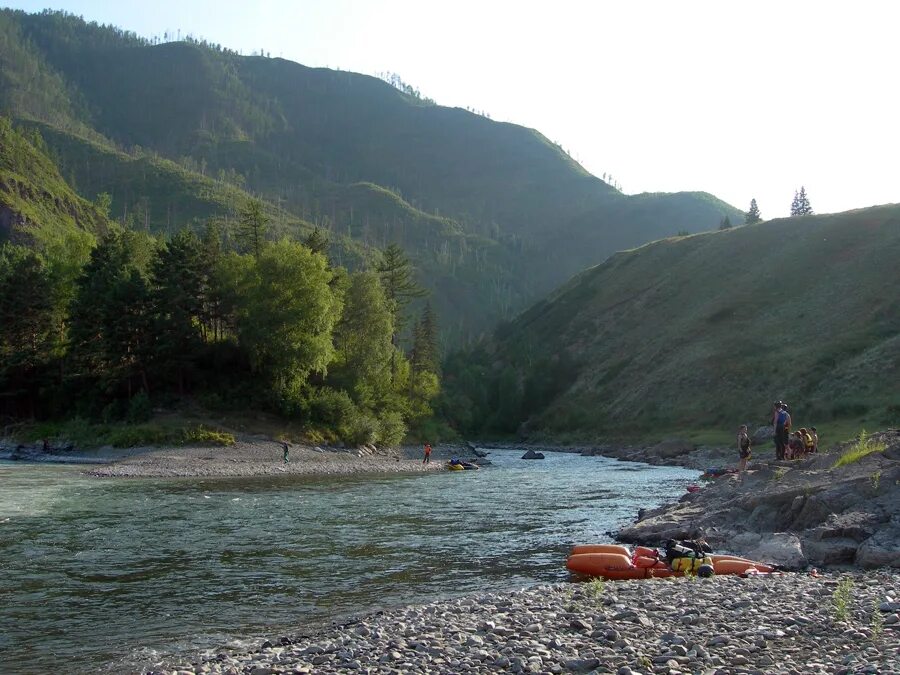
793, 623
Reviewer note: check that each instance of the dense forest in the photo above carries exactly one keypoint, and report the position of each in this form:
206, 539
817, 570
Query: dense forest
493, 215
102, 322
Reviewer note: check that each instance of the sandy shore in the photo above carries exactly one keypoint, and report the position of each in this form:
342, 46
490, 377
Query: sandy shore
782, 624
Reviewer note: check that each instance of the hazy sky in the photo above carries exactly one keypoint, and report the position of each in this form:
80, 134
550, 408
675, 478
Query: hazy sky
741, 99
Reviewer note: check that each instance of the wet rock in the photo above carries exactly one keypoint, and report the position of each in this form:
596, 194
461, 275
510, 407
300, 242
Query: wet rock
531, 454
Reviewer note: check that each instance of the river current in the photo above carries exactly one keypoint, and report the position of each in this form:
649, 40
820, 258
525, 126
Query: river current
114, 575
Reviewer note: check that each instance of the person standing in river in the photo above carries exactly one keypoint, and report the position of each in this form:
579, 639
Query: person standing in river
743, 440
427, 458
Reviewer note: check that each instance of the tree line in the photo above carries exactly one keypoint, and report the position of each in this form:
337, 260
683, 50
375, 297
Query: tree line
236, 321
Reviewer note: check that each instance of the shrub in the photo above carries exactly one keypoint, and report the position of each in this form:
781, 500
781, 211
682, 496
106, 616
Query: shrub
139, 409
361, 430
203, 434
863, 447
595, 587
391, 429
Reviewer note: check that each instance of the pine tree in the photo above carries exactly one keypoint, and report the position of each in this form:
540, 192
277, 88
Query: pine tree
179, 292
725, 223
753, 215
253, 227
400, 288
800, 205
317, 242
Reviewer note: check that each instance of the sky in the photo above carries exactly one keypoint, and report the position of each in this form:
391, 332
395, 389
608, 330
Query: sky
749, 99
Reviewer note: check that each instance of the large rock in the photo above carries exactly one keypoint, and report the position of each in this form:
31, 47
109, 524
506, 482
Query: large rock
671, 448
763, 436
781, 548
882, 549
531, 454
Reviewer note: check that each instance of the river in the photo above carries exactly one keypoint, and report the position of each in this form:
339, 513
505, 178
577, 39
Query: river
116, 574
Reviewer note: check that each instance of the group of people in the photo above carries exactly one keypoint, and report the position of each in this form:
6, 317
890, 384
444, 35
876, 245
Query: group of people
791, 445
788, 445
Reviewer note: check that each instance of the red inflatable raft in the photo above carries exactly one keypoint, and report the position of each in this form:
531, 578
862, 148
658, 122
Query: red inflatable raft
612, 561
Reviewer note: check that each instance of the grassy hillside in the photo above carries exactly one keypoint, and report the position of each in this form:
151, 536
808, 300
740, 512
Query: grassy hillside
705, 331
37, 207
494, 214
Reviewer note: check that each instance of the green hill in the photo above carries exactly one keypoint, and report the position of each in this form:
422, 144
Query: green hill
37, 207
494, 214
703, 332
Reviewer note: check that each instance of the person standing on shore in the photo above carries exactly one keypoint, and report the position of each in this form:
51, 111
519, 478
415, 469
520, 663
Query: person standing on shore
286, 448
782, 427
743, 440
427, 458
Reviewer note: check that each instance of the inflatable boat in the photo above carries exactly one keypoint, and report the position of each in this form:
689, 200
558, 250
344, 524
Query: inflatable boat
612, 561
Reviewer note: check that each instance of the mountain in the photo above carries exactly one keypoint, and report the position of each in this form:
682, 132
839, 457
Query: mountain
37, 207
703, 332
493, 214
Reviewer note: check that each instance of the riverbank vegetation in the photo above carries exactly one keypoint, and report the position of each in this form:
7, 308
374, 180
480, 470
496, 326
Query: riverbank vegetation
105, 323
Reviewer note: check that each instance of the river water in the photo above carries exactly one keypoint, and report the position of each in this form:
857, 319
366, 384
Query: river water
114, 575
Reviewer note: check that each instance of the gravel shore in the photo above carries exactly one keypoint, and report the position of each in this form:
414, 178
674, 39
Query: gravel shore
779, 624
259, 457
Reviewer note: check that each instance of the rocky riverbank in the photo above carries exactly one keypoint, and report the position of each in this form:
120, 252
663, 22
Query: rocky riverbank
796, 513
781, 624
249, 456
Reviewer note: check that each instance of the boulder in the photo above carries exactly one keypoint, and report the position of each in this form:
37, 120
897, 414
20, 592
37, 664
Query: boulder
763, 436
531, 454
781, 548
671, 448
882, 549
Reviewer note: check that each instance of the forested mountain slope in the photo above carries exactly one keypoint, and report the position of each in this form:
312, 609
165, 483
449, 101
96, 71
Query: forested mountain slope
494, 214
704, 331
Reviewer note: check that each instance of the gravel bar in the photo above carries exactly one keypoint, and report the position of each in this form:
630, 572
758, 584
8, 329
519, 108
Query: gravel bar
793, 624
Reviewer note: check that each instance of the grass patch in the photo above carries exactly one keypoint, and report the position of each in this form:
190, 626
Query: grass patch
876, 627
84, 435
863, 447
779, 473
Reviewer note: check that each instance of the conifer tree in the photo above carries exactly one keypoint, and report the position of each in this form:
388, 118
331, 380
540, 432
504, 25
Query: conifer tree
395, 271
725, 223
253, 227
179, 292
753, 215
317, 242
800, 205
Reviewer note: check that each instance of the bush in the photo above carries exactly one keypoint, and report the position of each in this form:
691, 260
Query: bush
203, 434
391, 429
361, 430
139, 409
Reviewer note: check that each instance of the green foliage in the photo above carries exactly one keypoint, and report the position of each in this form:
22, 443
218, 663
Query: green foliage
779, 473
285, 315
204, 435
840, 599
876, 626
596, 587
753, 215
863, 447
725, 223
253, 227
875, 478
139, 408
